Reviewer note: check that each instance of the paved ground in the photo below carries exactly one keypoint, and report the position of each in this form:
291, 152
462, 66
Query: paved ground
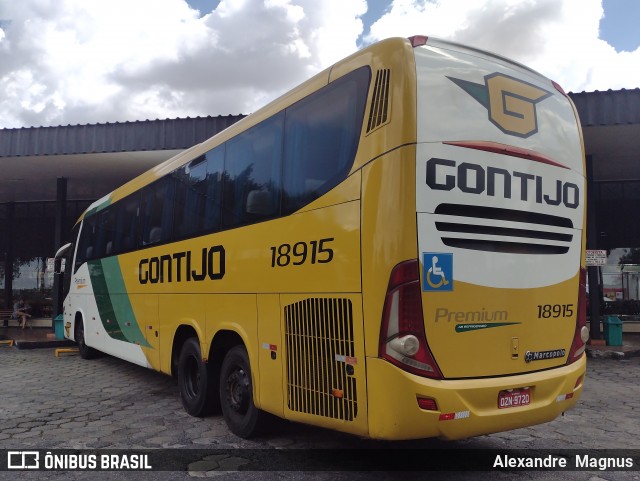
48, 402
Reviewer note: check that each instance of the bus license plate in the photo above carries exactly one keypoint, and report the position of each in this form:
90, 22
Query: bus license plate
512, 398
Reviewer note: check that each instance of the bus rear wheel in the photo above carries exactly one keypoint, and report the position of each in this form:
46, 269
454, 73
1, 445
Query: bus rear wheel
195, 381
243, 418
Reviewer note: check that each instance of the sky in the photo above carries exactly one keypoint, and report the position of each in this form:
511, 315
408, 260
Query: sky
93, 61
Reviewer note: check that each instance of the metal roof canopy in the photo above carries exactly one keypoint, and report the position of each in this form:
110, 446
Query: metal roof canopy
611, 127
95, 158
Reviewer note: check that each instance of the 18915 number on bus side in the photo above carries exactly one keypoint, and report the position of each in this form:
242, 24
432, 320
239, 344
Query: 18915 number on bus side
316, 251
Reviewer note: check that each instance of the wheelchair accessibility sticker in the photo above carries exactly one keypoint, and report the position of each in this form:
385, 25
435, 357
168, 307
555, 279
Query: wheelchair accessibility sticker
437, 271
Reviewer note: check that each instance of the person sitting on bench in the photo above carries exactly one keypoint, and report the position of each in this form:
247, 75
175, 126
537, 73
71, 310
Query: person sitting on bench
20, 309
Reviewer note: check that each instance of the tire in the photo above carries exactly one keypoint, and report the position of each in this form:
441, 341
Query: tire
196, 384
236, 395
85, 351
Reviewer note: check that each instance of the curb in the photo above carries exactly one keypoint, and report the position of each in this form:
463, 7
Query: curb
611, 354
43, 344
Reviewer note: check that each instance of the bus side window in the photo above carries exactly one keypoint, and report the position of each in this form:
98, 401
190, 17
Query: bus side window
127, 219
198, 194
156, 211
252, 174
106, 232
321, 139
189, 202
86, 245
213, 203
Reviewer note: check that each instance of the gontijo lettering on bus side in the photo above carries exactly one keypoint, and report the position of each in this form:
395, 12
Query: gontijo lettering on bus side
184, 266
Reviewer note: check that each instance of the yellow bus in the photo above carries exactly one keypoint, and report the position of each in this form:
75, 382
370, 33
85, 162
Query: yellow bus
392, 249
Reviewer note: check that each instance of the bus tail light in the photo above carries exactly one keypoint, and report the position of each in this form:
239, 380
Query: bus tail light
581, 335
418, 40
559, 88
402, 338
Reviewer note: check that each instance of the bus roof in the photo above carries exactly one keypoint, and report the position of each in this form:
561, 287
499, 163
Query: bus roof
363, 57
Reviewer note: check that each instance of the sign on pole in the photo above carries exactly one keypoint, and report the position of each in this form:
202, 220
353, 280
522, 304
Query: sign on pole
595, 257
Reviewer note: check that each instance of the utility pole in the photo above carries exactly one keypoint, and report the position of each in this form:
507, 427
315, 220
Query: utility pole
592, 241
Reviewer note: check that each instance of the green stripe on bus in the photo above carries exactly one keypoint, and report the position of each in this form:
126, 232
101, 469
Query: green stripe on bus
116, 315
103, 300
484, 325
123, 308
98, 208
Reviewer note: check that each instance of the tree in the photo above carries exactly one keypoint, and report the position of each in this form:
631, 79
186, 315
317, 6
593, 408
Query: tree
16, 267
632, 256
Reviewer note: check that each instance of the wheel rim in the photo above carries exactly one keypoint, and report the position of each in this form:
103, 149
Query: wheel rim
192, 377
238, 392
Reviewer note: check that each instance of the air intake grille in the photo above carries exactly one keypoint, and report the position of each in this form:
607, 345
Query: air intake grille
319, 341
379, 112
543, 234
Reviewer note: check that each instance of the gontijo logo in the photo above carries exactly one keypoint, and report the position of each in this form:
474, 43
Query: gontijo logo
511, 102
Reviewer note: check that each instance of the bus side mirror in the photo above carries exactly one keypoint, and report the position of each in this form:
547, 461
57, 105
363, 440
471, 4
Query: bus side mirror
59, 266
60, 261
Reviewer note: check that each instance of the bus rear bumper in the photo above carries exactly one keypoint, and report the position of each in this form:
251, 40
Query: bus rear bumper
465, 408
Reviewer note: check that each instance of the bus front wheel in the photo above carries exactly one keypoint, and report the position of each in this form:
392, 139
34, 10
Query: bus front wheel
236, 395
85, 351
195, 381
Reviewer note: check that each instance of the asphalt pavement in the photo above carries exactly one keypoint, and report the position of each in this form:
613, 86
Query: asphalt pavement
65, 402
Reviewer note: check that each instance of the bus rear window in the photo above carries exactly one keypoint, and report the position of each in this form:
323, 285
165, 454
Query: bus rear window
321, 139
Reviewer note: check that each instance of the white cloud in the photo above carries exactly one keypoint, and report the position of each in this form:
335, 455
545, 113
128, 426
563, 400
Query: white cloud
559, 38
87, 61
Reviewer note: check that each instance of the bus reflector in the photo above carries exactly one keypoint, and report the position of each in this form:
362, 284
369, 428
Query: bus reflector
402, 337
564, 397
581, 335
452, 416
427, 404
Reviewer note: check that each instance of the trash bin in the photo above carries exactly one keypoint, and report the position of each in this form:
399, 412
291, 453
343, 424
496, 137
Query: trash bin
58, 326
613, 331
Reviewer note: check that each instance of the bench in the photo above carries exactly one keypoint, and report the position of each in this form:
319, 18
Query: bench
5, 316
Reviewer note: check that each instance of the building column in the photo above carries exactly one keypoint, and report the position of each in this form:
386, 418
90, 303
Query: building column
592, 243
8, 256
60, 230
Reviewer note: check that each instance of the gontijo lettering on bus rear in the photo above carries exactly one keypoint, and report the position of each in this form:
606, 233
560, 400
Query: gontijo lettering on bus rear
470, 178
